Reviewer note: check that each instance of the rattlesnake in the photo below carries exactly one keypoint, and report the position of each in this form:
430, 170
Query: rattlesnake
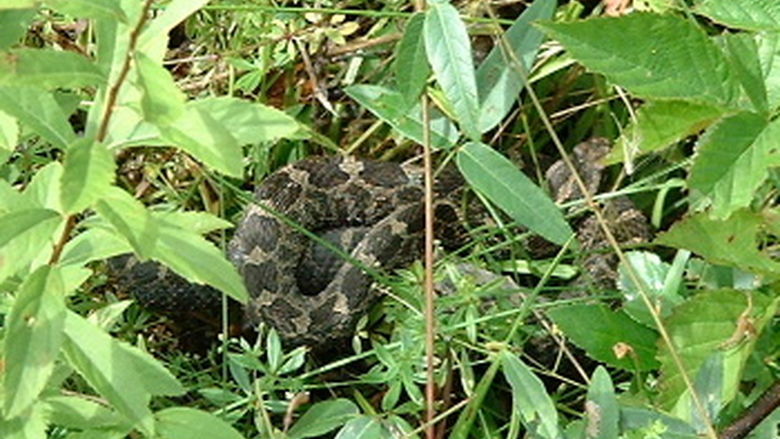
372, 210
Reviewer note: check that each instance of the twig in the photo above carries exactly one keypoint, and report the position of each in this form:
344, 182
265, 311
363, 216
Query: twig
754, 414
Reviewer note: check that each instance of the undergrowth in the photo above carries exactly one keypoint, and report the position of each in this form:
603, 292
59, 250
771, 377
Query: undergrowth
143, 126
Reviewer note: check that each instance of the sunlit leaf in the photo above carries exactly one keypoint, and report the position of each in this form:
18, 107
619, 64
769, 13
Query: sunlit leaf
411, 65
248, 122
502, 183
88, 172
33, 334
449, 53
653, 56
47, 68
188, 423
732, 160
323, 417
38, 110
755, 15
609, 336
530, 399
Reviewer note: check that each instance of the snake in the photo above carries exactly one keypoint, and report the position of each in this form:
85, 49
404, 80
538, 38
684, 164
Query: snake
373, 212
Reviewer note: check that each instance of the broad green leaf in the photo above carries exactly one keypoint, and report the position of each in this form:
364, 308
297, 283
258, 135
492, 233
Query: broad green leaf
411, 65
47, 68
105, 9
18, 222
602, 333
732, 242
758, 15
33, 334
154, 39
198, 260
109, 365
654, 424
18, 4
653, 272
768, 46
529, 398
79, 413
709, 387
323, 417
198, 222
449, 53
499, 77
44, 189
742, 53
707, 323
131, 219
660, 124
14, 23
207, 140
94, 244
38, 110
9, 136
364, 427
390, 106
87, 174
602, 407
162, 102
653, 56
187, 423
732, 161
248, 122
494, 176
33, 242
31, 425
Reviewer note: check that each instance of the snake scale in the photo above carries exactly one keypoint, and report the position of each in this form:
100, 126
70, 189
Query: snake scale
373, 211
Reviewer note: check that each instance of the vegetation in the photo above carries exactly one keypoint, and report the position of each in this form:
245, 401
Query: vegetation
141, 126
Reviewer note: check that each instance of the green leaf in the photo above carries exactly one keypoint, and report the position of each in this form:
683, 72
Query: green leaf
653, 273
100, 9
411, 65
187, 423
207, 140
162, 102
16, 223
709, 388
77, 412
767, 44
654, 424
32, 241
449, 53
154, 39
653, 56
758, 15
93, 245
494, 176
599, 330
32, 425
732, 161
742, 53
14, 23
660, 124
44, 189
707, 323
364, 427
109, 366
88, 172
38, 110
130, 219
47, 68
323, 417
33, 334
198, 260
602, 407
248, 122
198, 222
499, 77
390, 106
732, 242
529, 399
9, 136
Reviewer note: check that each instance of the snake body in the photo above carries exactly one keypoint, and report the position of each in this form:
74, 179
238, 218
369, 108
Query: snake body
373, 211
